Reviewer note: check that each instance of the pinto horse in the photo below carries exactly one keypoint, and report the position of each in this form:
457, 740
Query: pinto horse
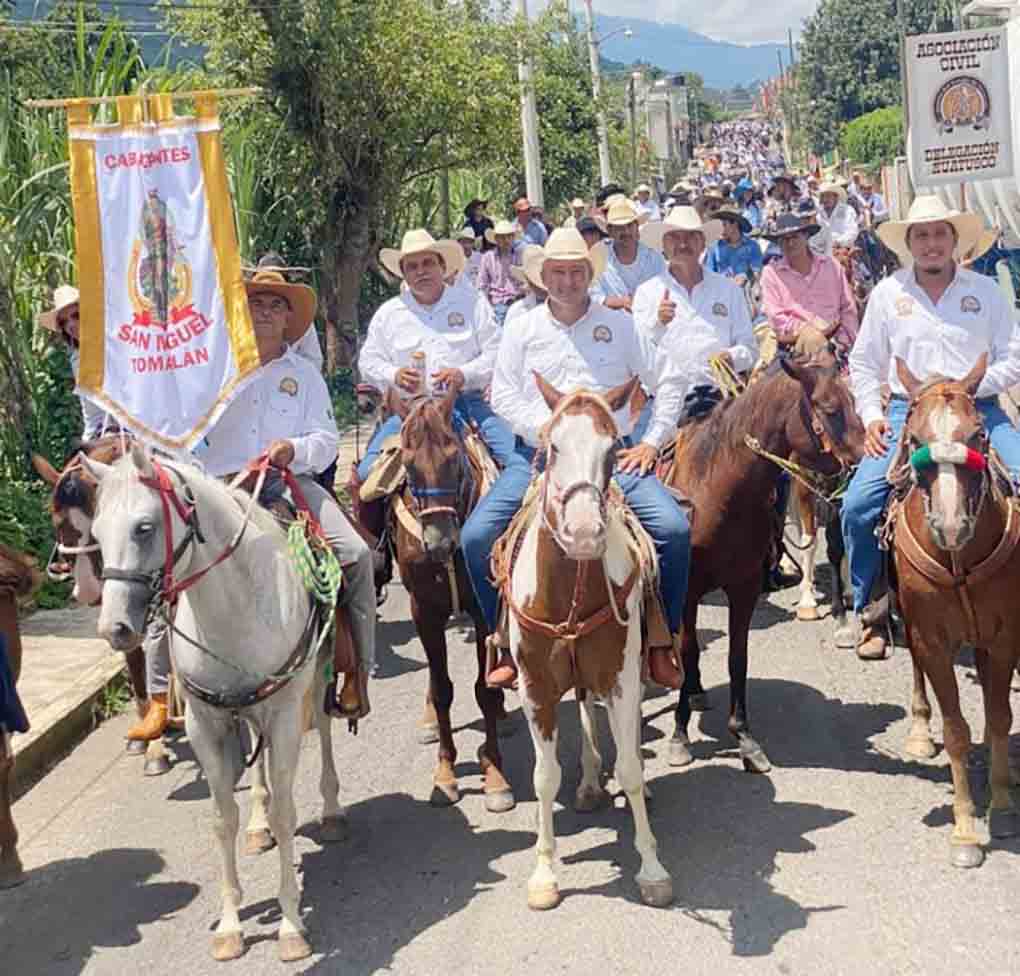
18, 579
574, 596
797, 406
439, 493
957, 563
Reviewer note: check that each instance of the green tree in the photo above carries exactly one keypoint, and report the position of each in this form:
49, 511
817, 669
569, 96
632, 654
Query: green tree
874, 139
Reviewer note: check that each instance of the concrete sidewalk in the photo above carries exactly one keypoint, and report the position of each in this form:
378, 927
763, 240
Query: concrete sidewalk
66, 667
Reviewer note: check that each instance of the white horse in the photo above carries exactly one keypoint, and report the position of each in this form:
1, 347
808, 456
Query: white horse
569, 553
239, 645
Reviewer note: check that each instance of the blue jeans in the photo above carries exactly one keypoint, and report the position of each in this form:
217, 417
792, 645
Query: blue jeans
868, 490
500, 311
495, 432
655, 508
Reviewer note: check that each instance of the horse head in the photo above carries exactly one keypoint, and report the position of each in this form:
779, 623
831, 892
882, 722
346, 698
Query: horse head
825, 431
948, 448
580, 441
438, 474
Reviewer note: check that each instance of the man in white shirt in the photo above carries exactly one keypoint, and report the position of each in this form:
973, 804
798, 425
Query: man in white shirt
535, 295
687, 307
837, 215
939, 318
629, 262
646, 206
472, 256
872, 202
575, 343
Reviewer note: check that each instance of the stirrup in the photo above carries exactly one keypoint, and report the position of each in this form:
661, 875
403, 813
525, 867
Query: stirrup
500, 669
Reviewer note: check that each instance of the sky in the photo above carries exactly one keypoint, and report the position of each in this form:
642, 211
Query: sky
740, 21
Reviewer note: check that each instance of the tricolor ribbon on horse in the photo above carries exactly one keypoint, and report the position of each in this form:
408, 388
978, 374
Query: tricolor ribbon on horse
166, 336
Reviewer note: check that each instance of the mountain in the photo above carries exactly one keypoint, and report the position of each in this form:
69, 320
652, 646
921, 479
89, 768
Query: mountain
676, 49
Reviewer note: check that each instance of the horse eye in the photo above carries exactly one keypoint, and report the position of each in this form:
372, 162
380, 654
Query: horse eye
143, 529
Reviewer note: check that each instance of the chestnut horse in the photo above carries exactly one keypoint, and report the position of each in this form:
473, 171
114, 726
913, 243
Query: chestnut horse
439, 493
957, 563
18, 579
796, 406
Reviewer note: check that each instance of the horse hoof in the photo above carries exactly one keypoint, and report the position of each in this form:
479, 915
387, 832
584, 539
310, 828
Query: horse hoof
808, 613
333, 830
428, 734
444, 794
589, 799
135, 747
679, 753
699, 702
11, 871
1003, 823
157, 766
919, 747
966, 856
293, 946
258, 842
658, 894
753, 757
227, 946
544, 898
500, 801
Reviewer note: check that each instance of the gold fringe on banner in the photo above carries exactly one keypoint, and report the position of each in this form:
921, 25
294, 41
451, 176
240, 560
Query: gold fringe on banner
115, 99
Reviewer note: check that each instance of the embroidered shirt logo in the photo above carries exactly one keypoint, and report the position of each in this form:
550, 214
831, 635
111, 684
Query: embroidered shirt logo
455, 320
720, 309
602, 333
904, 306
970, 304
289, 385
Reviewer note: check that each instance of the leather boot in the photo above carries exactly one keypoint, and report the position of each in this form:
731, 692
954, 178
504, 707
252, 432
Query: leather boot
872, 645
154, 724
662, 668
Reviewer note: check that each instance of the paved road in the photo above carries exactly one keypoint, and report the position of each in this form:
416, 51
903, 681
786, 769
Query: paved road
836, 862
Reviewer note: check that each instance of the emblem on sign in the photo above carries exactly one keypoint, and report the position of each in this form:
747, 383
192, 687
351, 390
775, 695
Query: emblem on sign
602, 333
455, 320
720, 309
158, 278
961, 102
289, 385
970, 304
904, 306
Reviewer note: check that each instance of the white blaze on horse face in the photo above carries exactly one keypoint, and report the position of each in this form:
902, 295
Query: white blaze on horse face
87, 586
947, 511
580, 459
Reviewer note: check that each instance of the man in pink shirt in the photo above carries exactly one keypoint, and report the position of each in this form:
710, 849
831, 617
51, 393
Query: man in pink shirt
804, 293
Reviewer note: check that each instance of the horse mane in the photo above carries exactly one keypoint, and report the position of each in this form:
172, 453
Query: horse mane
18, 572
425, 422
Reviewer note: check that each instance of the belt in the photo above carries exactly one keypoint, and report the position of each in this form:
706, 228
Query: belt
986, 401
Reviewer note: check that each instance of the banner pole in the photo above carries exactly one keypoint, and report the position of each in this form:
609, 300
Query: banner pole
963, 196
112, 99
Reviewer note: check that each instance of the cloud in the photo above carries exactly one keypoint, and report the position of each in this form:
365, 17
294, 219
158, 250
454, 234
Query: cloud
739, 21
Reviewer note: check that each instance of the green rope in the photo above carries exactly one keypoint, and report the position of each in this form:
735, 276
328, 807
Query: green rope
318, 568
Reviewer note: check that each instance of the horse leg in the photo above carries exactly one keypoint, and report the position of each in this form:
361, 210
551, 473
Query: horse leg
11, 871
807, 606
691, 691
919, 741
590, 795
499, 796
431, 631
543, 891
284, 750
428, 727
742, 600
965, 849
624, 717
135, 661
333, 826
209, 734
835, 552
1003, 820
258, 838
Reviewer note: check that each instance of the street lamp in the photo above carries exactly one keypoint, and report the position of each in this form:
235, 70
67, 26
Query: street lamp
596, 86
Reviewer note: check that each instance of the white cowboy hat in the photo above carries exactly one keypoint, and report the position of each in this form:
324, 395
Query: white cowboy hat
529, 253
503, 228
466, 233
830, 187
622, 212
642, 188
419, 242
302, 300
929, 209
987, 238
64, 296
680, 218
565, 244
577, 202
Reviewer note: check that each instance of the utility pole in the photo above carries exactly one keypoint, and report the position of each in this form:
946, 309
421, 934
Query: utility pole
596, 87
529, 122
633, 127
789, 38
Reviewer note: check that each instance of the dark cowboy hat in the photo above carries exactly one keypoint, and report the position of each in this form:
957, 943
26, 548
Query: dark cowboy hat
784, 178
475, 203
789, 224
739, 219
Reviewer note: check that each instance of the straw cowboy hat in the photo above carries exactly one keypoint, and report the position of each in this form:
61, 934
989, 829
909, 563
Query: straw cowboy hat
302, 300
836, 188
64, 296
712, 193
577, 203
565, 244
642, 188
529, 253
988, 238
503, 228
680, 218
788, 224
929, 209
622, 212
420, 242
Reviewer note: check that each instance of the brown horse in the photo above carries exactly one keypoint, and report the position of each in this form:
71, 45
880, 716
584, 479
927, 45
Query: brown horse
957, 563
18, 579
440, 491
797, 406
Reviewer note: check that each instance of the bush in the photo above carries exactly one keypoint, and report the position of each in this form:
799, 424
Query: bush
25, 524
874, 139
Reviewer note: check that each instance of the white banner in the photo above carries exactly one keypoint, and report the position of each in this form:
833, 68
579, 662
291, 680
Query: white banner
961, 128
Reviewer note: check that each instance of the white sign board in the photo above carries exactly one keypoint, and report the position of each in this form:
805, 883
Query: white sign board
960, 124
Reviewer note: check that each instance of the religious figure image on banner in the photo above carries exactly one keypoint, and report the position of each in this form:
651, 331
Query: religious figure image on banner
166, 336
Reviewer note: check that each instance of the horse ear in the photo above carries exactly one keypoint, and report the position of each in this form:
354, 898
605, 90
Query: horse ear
141, 460
395, 404
550, 394
973, 379
620, 395
97, 469
45, 470
910, 382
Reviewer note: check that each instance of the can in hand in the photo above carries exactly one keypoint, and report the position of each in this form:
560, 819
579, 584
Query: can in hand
418, 365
